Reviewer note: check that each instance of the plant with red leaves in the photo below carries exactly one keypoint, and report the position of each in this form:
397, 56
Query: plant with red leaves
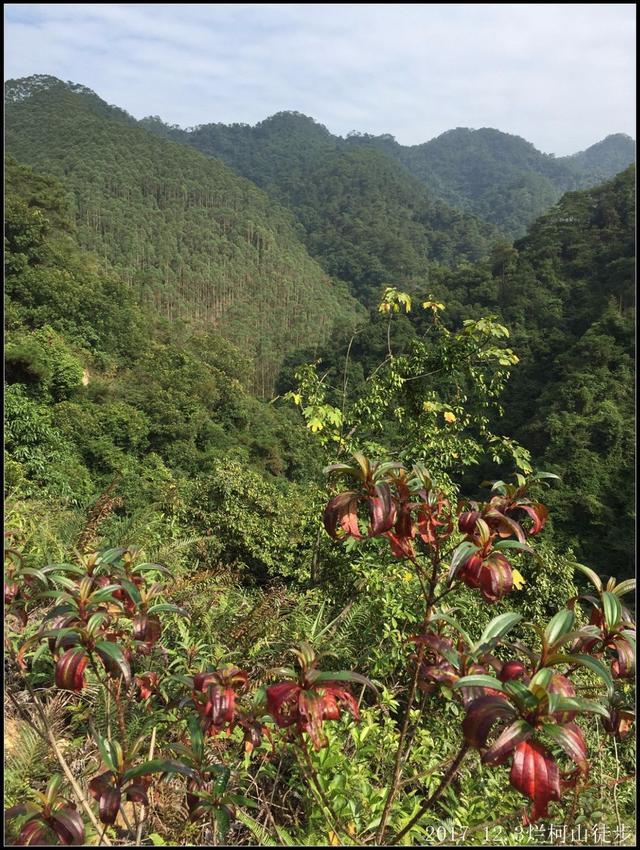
535, 701
54, 821
444, 664
214, 697
207, 792
373, 491
311, 696
122, 780
614, 634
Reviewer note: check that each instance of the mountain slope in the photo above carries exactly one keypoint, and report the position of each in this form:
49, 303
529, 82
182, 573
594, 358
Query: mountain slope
182, 230
364, 217
604, 159
499, 177
567, 292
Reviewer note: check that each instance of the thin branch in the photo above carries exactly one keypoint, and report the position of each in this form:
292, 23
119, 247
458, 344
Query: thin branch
433, 799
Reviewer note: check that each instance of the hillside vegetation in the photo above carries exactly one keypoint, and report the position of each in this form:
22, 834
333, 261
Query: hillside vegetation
318, 491
181, 230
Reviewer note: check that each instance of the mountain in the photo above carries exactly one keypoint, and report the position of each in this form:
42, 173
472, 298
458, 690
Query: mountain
183, 231
497, 177
363, 216
606, 158
500, 177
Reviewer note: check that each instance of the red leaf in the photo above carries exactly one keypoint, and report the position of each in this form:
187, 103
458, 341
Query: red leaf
538, 514
535, 774
511, 670
146, 629
571, 739
310, 716
345, 698
496, 578
34, 833
467, 521
471, 570
559, 684
68, 826
109, 805
282, 702
480, 717
342, 510
69, 673
147, 684
101, 783
138, 793
382, 511
220, 707
624, 665
502, 748
401, 547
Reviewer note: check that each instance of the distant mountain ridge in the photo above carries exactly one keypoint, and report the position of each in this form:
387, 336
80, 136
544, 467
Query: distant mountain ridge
499, 177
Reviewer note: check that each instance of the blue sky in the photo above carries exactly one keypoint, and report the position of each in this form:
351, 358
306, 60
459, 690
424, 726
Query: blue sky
561, 75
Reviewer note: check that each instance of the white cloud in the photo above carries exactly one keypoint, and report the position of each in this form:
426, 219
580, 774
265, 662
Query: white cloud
560, 75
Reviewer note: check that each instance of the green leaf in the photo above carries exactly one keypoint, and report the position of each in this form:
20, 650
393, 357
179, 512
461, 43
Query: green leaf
223, 819
160, 766
132, 590
104, 594
460, 554
497, 629
594, 578
344, 676
612, 610
593, 664
168, 608
479, 681
143, 568
521, 695
583, 706
108, 756
30, 571
259, 832
625, 587
95, 621
441, 615
113, 651
109, 556
559, 625
513, 544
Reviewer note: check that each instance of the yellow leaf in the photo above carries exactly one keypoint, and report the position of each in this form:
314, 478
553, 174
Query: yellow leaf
333, 839
449, 416
518, 580
407, 577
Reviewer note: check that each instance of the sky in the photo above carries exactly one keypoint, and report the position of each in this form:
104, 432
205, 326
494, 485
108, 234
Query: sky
560, 75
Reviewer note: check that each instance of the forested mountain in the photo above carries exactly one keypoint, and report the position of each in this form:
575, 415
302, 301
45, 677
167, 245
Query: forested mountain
172, 535
98, 386
605, 158
497, 177
364, 217
182, 230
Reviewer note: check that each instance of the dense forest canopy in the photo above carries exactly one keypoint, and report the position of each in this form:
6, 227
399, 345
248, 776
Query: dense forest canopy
497, 177
181, 230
